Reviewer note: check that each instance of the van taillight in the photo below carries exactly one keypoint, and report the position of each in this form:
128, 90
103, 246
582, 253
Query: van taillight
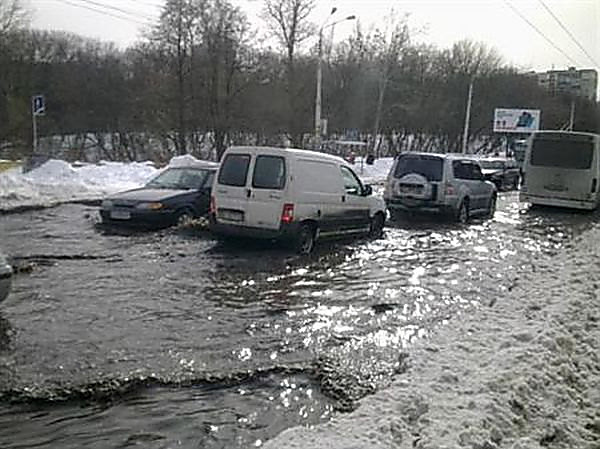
212, 208
594, 185
287, 214
449, 189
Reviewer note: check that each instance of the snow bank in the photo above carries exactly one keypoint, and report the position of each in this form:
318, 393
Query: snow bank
376, 173
57, 181
523, 372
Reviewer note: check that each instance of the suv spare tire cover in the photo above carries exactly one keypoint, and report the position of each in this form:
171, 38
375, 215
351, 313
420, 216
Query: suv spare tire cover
415, 179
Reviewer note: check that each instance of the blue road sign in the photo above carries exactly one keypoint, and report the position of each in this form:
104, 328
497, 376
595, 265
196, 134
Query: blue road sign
38, 105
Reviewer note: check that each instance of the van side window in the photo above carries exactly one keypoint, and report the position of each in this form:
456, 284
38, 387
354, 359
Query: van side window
352, 184
234, 170
269, 173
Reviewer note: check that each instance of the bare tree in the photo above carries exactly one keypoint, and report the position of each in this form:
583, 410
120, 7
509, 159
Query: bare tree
12, 16
288, 20
389, 47
174, 35
223, 30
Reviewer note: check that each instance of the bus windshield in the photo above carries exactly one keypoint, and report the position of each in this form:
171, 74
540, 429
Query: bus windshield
562, 153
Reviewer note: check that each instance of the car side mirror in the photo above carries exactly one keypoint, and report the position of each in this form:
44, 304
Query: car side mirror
368, 190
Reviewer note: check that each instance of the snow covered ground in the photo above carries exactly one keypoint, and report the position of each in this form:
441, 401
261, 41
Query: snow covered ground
521, 373
57, 181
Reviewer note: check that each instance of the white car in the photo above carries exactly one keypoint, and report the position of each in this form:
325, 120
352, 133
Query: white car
5, 277
292, 195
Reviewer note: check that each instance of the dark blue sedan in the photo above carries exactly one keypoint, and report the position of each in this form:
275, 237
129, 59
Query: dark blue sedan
175, 196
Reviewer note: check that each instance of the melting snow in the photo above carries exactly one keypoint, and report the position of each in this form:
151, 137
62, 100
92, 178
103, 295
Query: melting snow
57, 181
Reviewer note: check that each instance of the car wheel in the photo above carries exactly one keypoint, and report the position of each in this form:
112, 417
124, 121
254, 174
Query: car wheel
376, 228
492, 207
305, 242
462, 215
184, 217
516, 183
395, 215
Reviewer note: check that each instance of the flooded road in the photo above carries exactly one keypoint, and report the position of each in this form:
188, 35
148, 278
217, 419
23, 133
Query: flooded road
171, 339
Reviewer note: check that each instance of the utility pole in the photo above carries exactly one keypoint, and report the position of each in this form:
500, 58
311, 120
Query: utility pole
467, 118
572, 115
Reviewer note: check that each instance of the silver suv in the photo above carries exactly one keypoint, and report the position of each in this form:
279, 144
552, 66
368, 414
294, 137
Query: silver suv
447, 184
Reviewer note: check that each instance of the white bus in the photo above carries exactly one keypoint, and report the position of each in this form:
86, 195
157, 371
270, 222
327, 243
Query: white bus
562, 168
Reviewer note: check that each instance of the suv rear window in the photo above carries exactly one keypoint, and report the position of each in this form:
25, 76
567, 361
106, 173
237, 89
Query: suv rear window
234, 170
431, 167
269, 173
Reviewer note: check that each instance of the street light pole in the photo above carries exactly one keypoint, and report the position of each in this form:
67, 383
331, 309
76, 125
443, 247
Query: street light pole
467, 118
318, 96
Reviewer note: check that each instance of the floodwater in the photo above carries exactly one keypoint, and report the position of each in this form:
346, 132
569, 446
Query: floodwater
171, 339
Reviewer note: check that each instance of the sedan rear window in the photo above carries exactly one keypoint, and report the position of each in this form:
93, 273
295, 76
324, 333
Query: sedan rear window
431, 167
234, 170
179, 178
269, 173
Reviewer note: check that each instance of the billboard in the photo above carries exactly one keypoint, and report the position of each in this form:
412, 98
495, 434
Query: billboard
516, 120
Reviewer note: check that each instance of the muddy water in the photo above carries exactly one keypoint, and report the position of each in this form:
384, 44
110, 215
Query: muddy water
171, 339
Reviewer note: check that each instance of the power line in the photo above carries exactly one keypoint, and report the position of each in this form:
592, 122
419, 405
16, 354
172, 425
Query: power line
105, 13
147, 3
566, 30
516, 11
115, 8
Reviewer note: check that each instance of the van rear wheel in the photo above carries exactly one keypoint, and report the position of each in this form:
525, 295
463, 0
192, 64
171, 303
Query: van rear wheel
305, 241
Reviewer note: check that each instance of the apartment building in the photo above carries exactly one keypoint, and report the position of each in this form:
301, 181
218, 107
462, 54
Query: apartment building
582, 83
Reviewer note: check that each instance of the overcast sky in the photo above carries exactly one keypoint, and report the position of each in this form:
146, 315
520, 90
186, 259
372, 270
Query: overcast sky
440, 22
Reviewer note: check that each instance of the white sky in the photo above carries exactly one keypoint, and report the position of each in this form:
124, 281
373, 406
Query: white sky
443, 22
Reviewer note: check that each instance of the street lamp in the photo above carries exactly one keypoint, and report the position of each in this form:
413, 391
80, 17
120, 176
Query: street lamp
320, 73
467, 117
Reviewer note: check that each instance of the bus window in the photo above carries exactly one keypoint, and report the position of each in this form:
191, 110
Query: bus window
561, 153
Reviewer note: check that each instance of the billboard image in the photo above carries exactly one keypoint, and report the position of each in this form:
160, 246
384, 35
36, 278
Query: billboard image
516, 120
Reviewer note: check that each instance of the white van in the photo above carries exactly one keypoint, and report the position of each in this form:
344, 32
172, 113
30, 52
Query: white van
294, 195
562, 168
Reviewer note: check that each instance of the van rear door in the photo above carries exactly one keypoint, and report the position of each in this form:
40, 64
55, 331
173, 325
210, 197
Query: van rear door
266, 192
231, 194
562, 166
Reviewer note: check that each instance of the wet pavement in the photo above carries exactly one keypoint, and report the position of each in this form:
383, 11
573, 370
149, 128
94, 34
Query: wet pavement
172, 339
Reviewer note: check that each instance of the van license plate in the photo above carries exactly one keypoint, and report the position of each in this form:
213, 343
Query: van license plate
118, 214
231, 215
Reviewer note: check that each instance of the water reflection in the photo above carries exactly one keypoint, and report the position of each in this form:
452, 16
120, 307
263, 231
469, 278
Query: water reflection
294, 336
